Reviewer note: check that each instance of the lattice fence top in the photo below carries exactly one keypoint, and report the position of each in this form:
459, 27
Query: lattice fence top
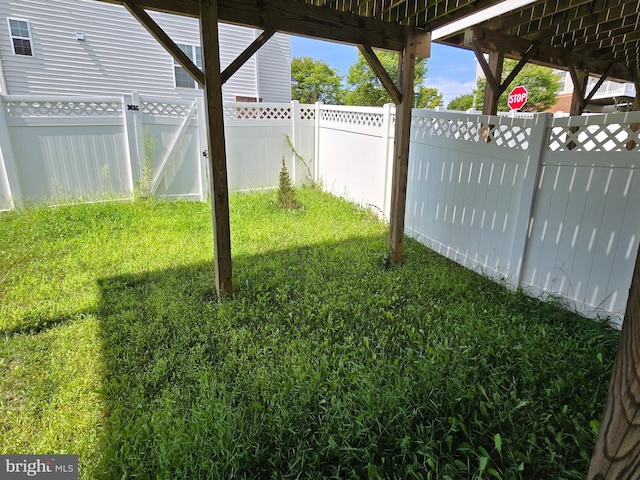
594, 138
62, 108
362, 119
475, 129
165, 109
307, 113
257, 112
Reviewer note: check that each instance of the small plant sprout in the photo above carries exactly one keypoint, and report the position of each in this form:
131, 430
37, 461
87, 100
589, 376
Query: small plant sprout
286, 190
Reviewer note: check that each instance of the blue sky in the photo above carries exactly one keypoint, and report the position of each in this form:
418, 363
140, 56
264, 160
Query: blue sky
451, 70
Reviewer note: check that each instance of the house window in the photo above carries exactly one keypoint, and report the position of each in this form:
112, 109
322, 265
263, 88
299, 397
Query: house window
563, 81
183, 79
20, 37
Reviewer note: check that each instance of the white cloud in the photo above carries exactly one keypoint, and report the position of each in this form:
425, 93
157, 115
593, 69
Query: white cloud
450, 87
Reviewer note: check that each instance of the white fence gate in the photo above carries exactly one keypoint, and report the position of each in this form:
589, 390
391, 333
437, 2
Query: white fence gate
72, 148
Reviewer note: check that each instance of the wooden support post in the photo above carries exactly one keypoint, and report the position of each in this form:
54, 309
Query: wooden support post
492, 90
492, 69
406, 74
631, 144
578, 104
217, 154
617, 451
579, 79
472, 38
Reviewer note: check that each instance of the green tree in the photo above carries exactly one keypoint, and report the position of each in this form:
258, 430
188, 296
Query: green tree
364, 87
461, 102
542, 83
316, 81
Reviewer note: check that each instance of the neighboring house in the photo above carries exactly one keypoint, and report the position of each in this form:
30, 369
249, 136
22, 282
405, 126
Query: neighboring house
610, 97
85, 47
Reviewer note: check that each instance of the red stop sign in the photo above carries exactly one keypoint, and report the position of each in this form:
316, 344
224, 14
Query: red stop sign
517, 98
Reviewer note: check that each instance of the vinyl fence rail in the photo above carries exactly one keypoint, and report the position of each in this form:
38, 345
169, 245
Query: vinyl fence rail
549, 205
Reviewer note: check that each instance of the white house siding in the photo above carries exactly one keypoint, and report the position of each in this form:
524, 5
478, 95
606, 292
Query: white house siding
117, 56
233, 40
271, 75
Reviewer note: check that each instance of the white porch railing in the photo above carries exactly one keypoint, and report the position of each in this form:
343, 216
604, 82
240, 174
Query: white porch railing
612, 89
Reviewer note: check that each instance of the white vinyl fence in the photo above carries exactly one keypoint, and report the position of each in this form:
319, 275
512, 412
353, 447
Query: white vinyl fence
585, 225
355, 152
73, 148
465, 197
550, 205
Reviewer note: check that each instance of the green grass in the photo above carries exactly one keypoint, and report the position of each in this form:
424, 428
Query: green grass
325, 363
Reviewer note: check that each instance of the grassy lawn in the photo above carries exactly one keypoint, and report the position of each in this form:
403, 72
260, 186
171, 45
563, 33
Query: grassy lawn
325, 364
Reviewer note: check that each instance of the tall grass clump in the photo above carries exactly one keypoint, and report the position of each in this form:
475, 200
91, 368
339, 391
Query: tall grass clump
322, 365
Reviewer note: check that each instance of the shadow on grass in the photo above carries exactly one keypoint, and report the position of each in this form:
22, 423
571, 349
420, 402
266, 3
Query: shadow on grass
325, 364
39, 323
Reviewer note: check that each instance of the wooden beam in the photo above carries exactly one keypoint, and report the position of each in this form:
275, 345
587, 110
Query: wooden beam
597, 86
381, 73
631, 144
163, 39
493, 83
299, 18
311, 21
579, 79
406, 76
545, 55
491, 95
617, 450
217, 154
246, 54
517, 69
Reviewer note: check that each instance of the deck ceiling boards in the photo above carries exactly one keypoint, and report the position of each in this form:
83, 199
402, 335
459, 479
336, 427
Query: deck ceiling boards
591, 35
425, 14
